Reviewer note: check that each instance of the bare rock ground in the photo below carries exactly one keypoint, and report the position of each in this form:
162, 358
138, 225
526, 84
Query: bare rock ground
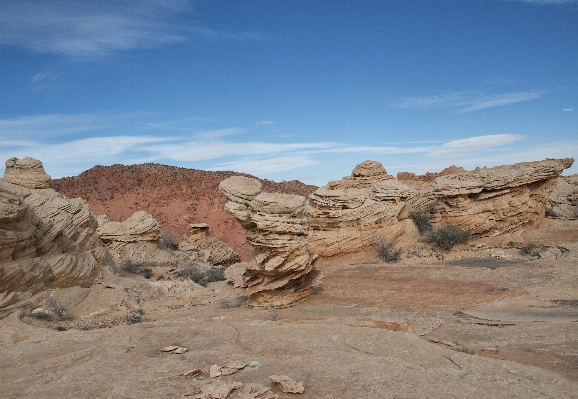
464, 323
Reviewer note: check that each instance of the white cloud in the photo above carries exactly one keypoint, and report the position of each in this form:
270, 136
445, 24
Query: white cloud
265, 123
568, 109
466, 101
89, 29
261, 167
466, 147
43, 126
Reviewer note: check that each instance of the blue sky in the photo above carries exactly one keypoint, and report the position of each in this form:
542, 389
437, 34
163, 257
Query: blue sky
288, 89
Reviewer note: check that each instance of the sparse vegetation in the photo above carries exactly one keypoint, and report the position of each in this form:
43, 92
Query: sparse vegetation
136, 317
386, 251
195, 273
421, 221
447, 236
56, 308
170, 242
464, 349
530, 249
132, 267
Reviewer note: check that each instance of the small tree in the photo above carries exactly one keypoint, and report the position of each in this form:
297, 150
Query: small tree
386, 251
449, 235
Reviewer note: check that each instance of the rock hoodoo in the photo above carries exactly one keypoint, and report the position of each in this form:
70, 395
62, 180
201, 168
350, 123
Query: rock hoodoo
46, 239
281, 271
211, 250
137, 239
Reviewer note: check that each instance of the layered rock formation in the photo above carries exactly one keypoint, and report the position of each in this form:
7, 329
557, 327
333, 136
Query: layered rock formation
281, 271
211, 250
137, 239
491, 201
346, 215
563, 203
46, 239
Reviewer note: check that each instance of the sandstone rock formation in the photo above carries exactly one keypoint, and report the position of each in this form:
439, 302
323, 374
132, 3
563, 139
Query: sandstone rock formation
281, 271
118, 191
346, 215
137, 239
563, 203
211, 250
491, 201
46, 239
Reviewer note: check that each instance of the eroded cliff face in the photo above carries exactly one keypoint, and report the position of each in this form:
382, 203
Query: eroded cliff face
46, 239
563, 202
281, 271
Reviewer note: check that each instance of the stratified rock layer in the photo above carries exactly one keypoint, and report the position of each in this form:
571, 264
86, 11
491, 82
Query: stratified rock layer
46, 239
491, 201
137, 239
348, 215
212, 251
563, 203
281, 271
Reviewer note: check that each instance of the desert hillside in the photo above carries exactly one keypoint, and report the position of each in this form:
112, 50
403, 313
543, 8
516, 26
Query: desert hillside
176, 197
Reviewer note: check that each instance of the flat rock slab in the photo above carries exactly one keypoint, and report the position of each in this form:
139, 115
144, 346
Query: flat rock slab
525, 310
489, 262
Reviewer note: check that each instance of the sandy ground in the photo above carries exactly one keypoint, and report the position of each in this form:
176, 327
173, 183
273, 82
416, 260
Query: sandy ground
480, 321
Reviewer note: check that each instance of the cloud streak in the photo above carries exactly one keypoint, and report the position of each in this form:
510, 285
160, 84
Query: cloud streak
465, 147
467, 101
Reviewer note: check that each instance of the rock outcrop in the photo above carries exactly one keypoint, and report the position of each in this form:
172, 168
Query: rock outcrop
491, 201
46, 239
563, 203
137, 239
211, 250
347, 215
281, 271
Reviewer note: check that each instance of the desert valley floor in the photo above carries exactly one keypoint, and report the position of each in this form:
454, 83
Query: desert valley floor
480, 321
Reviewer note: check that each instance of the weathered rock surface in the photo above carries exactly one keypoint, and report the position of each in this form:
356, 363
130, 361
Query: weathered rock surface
491, 201
137, 239
563, 203
281, 272
346, 215
211, 250
46, 239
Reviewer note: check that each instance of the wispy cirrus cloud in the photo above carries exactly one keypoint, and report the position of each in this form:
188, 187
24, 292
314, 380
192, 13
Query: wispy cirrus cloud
568, 109
265, 123
90, 29
260, 167
467, 101
466, 147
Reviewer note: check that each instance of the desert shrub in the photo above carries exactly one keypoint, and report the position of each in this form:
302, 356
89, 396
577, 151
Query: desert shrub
170, 242
386, 251
195, 273
56, 308
421, 221
530, 249
133, 267
135, 317
449, 235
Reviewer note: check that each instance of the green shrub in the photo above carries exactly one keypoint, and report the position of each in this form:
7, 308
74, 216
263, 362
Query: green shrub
449, 235
421, 221
530, 249
386, 251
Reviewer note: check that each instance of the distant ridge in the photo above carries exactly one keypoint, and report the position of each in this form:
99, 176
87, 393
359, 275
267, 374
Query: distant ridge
175, 196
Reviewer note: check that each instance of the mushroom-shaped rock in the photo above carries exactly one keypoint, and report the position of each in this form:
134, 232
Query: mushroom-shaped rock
26, 172
240, 189
281, 272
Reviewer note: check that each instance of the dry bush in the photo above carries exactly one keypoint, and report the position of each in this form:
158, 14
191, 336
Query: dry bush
421, 221
133, 267
530, 249
449, 235
195, 273
56, 308
386, 251
170, 242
